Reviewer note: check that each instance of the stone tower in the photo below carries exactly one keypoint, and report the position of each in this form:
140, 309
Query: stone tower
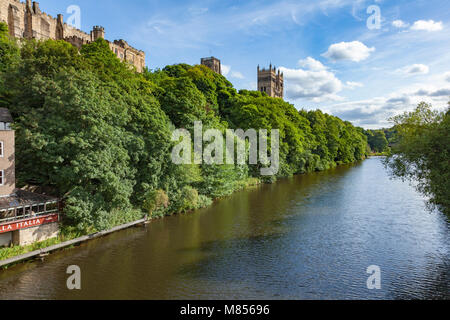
59, 27
271, 82
97, 32
213, 64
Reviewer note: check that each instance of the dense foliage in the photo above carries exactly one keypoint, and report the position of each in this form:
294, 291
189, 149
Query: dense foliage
377, 140
99, 134
422, 153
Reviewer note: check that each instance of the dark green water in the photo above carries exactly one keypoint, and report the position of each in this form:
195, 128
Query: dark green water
309, 237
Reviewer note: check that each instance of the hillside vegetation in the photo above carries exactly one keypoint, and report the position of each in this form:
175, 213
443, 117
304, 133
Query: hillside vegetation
99, 134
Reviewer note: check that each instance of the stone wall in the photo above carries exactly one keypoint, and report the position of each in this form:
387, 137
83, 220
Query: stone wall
212, 63
28, 236
129, 54
5, 239
7, 163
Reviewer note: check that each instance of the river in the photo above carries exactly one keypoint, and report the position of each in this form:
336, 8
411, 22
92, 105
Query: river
309, 237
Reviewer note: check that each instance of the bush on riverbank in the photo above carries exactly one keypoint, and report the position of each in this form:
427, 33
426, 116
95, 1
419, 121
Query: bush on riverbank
422, 153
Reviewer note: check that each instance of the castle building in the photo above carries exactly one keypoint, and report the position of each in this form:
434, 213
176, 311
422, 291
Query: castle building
271, 82
212, 63
25, 217
26, 20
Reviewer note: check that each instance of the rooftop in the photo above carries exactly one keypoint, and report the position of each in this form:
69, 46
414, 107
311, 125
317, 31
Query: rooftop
24, 198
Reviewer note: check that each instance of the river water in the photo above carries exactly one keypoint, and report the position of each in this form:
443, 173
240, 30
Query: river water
308, 237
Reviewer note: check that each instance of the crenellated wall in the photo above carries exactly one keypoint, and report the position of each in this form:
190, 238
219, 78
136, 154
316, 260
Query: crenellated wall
26, 20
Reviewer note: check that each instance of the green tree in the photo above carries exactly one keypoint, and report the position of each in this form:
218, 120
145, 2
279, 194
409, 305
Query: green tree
377, 140
423, 151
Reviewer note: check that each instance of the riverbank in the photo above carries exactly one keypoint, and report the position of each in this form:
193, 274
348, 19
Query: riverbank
13, 255
305, 237
58, 245
17, 254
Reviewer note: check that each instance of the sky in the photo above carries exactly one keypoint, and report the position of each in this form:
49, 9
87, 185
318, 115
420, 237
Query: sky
363, 61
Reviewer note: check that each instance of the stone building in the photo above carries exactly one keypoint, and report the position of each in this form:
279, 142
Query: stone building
25, 217
26, 20
212, 63
271, 82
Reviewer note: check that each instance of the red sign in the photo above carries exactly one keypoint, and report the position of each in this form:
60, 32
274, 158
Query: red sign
32, 222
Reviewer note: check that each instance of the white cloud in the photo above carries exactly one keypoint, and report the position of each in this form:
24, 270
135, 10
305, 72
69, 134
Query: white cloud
374, 113
414, 69
225, 69
429, 25
353, 85
237, 74
311, 64
447, 76
400, 24
314, 82
442, 92
354, 51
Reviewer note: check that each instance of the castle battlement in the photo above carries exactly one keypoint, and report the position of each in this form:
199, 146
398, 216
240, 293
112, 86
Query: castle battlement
26, 20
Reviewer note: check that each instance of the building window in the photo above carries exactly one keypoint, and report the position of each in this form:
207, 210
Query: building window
2, 173
1, 149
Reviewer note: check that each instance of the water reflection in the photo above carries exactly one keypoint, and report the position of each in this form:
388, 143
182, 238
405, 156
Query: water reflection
307, 237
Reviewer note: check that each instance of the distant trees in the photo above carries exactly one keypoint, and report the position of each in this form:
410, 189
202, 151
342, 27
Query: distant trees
99, 133
422, 153
377, 140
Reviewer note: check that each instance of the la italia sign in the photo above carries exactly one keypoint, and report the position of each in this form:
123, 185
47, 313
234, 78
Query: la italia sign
33, 222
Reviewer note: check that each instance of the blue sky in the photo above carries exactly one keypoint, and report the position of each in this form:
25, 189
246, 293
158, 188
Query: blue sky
331, 59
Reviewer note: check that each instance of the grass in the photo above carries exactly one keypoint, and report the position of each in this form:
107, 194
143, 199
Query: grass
378, 154
65, 235
6, 253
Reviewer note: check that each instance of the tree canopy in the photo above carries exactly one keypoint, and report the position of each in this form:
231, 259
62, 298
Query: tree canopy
422, 152
99, 133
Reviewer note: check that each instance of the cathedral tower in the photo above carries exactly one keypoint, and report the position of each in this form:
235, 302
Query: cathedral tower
271, 82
